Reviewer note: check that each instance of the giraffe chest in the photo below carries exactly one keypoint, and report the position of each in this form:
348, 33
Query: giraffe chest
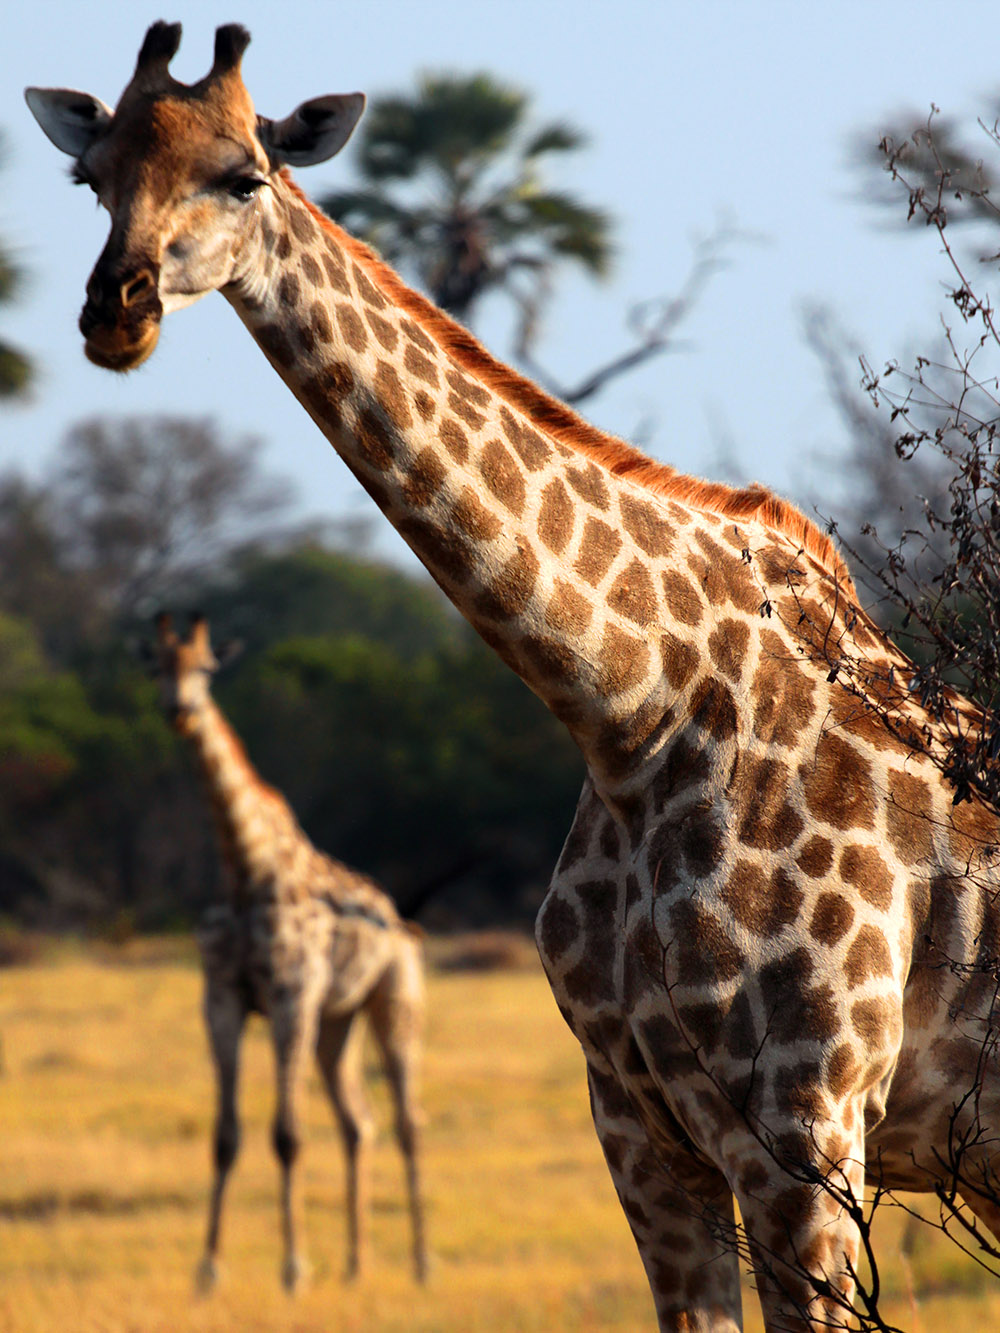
267, 949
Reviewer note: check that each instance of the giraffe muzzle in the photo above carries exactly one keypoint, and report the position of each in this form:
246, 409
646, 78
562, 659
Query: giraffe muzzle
120, 321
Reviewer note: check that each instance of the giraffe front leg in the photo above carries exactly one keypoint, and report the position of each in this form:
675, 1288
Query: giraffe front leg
681, 1213
225, 1015
797, 1191
293, 1028
338, 1050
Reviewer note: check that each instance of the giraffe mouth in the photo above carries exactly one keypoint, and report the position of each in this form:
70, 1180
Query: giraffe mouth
105, 348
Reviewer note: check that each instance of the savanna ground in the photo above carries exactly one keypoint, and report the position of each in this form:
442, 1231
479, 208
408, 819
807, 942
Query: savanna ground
105, 1112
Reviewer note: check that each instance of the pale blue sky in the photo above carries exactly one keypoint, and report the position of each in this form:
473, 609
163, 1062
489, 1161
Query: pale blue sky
695, 112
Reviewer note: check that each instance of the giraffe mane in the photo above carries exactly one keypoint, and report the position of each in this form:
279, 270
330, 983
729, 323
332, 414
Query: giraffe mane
562, 423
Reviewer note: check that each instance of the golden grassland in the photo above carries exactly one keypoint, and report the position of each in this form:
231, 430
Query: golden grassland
105, 1110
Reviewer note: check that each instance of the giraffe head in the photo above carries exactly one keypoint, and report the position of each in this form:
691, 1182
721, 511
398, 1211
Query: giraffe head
184, 667
183, 170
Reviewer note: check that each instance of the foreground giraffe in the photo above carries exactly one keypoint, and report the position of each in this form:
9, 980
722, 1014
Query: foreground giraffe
309, 944
772, 936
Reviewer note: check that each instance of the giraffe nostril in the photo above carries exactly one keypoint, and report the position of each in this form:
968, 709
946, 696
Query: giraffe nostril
137, 287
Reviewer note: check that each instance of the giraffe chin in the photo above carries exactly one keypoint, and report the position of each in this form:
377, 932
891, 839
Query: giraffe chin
110, 355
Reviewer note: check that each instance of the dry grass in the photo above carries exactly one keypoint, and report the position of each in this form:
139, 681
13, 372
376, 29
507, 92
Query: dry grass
105, 1103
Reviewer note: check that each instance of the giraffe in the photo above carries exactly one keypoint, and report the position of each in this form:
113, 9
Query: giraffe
771, 933
306, 942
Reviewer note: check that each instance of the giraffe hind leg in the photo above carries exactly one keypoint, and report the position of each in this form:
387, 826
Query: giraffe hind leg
396, 1012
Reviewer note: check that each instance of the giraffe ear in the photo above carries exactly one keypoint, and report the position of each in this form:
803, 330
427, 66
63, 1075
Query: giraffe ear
314, 132
71, 120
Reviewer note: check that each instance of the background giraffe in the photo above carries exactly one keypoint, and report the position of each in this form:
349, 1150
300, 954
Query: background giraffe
774, 939
306, 942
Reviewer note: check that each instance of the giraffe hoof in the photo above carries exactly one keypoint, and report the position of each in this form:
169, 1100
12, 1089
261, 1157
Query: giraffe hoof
294, 1273
207, 1276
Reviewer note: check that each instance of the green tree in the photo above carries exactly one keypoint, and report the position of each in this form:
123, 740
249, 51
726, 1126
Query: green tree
15, 366
454, 190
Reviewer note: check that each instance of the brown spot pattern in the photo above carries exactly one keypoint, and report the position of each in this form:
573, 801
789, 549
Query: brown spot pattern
502, 476
424, 479
386, 333
474, 519
311, 270
507, 594
598, 547
302, 225
424, 404
632, 595
473, 419
837, 784
417, 335
727, 646
368, 292
764, 906
767, 819
816, 857
622, 663
416, 363
336, 272
392, 396
682, 597
679, 659
319, 322
555, 517
876, 1022
375, 444
832, 918
351, 327
589, 484
645, 524
567, 610
714, 709
867, 957
454, 439
704, 949
908, 817
558, 926
865, 869
531, 448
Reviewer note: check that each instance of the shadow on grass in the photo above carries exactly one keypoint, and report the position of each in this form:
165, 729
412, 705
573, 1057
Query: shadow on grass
96, 1203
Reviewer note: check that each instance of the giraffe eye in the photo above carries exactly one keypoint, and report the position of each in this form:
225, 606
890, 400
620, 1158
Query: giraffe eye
244, 187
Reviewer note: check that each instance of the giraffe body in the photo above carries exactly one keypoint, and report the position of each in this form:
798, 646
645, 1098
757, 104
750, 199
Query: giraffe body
310, 945
773, 936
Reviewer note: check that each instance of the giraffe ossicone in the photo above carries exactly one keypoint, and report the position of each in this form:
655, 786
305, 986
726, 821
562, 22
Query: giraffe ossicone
309, 944
767, 913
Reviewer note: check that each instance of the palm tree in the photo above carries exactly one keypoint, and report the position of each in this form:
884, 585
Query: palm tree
15, 368
453, 191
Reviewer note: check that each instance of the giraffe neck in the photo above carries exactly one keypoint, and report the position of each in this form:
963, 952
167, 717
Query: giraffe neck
540, 548
258, 836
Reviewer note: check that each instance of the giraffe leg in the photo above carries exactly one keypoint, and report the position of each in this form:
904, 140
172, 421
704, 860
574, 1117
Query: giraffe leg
396, 1011
338, 1051
293, 1028
681, 1213
804, 1244
225, 1014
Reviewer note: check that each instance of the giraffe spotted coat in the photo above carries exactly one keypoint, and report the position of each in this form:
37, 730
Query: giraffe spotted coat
771, 932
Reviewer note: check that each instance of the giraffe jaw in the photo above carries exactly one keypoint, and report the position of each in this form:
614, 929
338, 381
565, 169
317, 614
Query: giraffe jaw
106, 351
